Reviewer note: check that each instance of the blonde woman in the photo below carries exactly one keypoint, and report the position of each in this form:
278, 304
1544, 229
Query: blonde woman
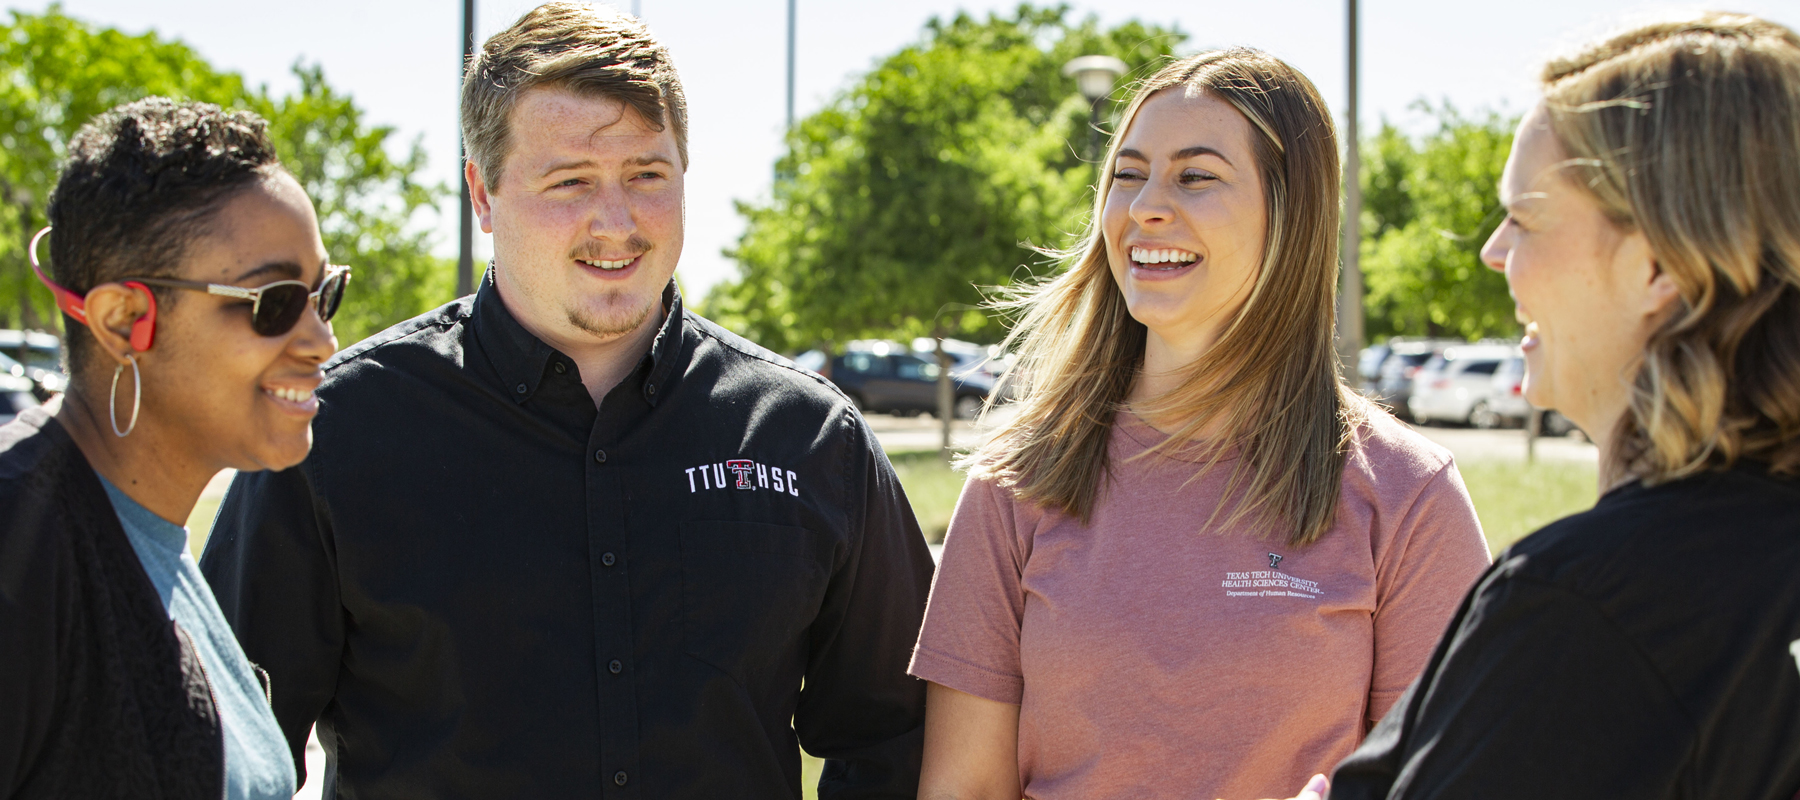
1650, 647
1194, 565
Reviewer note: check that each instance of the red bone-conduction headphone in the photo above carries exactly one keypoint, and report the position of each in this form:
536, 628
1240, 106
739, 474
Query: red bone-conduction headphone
143, 330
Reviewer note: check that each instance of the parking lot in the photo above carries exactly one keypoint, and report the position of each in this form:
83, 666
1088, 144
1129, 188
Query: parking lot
906, 434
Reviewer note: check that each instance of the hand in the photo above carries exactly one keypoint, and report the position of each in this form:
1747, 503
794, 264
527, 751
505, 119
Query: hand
1315, 789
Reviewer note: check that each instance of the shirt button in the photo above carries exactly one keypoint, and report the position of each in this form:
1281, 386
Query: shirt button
651, 389
619, 777
607, 559
616, 666
560, 369
520, 388
600, 456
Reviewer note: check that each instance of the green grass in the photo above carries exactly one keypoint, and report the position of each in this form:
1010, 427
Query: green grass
932, 487
1514, 499
1511, 498
199, 524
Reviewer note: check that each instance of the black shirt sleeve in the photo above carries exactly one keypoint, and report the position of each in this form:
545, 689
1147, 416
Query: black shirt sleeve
270, 565
859, 710
1534, 693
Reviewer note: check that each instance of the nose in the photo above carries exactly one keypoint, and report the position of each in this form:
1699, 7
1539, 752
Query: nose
1493, 253
312, 339
612, 218
1151, 205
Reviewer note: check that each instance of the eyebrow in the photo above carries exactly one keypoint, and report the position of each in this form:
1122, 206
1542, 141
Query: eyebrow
286, 269
1182, 154
1512, 203
588, 163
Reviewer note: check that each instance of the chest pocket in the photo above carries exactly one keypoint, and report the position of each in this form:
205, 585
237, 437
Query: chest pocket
749, 591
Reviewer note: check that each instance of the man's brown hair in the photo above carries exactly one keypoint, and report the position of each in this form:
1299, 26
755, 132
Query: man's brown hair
588, 50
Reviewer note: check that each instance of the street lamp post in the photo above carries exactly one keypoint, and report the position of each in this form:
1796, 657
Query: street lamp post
1350, 296
1094, 77
790, 69
465, 261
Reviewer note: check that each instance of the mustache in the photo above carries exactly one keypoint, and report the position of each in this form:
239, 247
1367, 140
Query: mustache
636, 245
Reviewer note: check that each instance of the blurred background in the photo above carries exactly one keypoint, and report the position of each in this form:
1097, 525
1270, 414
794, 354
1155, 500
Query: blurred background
859, 171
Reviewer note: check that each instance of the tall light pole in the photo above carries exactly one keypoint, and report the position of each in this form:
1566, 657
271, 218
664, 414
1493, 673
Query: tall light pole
1350, 298
1094, 77
465, 262
790, 66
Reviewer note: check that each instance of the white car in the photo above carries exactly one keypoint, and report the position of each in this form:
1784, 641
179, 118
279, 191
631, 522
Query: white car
1507, 403
1457, 385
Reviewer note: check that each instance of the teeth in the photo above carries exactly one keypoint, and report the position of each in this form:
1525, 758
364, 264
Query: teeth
290, 395
608, 265
1163, 256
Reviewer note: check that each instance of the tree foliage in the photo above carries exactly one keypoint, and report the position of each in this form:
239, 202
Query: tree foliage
367, 202
926, 180
57, 72
1428, 206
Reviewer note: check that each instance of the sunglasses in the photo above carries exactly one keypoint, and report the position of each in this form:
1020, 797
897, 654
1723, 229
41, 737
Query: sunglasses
275, 307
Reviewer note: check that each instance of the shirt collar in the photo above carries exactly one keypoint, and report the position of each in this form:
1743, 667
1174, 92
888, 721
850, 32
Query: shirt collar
520, 358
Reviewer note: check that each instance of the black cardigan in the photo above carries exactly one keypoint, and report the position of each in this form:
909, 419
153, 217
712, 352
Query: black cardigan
101, 694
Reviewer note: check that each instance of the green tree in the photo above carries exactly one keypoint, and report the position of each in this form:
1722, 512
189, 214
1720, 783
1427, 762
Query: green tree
57, 72
367, 201
1428, 207
926, 180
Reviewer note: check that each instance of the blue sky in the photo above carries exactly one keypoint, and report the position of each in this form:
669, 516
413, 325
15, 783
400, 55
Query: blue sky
399, 59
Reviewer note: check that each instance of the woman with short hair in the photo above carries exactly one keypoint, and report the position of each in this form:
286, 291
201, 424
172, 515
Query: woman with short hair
1195, 564
196, 295
1649, 647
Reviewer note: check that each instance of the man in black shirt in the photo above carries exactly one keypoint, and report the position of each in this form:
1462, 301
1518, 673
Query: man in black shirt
562, 538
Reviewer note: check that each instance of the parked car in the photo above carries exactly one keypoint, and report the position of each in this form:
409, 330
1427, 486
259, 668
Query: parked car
41, 356
1455, 384
1368, 367
1398, 368
15, 393
969, 357
1508, 405
886, 377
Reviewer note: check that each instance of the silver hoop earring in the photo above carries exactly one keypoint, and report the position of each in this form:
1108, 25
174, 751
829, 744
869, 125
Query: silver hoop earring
137, 394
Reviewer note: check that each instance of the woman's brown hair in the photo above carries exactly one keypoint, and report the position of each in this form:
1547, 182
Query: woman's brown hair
1267, 391
1689, 131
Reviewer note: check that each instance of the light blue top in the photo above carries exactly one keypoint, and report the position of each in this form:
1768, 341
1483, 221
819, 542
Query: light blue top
258, 764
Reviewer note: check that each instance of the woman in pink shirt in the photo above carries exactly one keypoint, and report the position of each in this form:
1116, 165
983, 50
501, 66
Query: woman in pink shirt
1195, 564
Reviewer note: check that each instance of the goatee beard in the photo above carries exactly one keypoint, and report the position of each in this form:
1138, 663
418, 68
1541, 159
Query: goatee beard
602, 325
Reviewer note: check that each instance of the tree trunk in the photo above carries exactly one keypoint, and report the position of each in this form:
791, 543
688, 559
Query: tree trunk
946, 393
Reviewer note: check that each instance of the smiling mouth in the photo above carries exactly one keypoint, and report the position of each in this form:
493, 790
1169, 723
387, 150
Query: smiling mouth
290, 395
609, 266
1164, 258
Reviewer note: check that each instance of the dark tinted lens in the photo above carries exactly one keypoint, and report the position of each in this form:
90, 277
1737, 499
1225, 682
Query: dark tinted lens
280, 308
331, 294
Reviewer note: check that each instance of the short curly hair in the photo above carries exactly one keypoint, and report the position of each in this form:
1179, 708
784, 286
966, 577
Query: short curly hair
141, 183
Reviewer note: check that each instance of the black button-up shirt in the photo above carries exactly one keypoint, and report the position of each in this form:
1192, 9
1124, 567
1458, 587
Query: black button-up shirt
480, 585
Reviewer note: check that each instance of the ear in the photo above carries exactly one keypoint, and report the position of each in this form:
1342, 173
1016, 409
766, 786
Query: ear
122, 318
1658, 293
478, 196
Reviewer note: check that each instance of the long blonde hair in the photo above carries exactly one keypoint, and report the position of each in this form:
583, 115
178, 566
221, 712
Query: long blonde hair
1689, 131
1270, 383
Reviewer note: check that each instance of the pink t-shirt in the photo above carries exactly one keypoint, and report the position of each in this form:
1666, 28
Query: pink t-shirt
1152, 658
